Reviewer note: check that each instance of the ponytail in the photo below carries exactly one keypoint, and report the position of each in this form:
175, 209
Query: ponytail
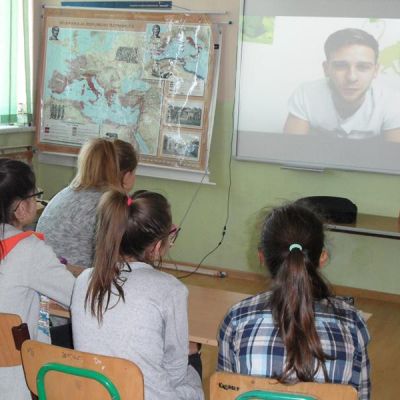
293, 310
127, 229
292, 242
111, 225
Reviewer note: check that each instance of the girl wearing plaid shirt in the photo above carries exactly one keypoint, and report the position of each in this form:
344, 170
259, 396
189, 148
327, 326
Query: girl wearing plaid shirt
298, 331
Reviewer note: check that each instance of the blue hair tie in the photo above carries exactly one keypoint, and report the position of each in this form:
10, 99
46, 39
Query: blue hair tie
295, 246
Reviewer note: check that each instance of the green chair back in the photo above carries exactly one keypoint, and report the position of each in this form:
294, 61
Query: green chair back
71, 370
267, 395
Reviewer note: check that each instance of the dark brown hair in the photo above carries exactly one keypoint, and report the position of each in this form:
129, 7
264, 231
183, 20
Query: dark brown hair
124, 231
17, 181
102, 164
349, 37
296, 284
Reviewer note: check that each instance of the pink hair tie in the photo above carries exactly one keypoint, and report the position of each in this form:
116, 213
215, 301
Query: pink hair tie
129, 201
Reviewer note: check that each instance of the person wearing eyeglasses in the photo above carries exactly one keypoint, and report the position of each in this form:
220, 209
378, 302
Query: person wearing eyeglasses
28, 266
126, 307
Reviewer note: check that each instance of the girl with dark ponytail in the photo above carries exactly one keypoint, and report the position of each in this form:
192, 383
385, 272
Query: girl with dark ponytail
298, 331
125, 307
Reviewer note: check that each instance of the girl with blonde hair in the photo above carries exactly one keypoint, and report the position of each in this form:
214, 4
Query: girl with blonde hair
69, 220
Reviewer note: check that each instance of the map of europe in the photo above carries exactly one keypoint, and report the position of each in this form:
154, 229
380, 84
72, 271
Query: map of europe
114, 83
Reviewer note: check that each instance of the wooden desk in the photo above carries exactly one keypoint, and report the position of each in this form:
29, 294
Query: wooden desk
207, 308
370, 225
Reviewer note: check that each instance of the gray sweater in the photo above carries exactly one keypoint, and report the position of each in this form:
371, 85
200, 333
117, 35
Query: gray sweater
150, 328
29, 269
69, 222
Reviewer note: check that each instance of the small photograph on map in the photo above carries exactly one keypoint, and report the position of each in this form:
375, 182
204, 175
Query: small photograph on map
112, 135
181, 145
161, 70
184, 113
127, 54
55, 30
180, 87
157, 38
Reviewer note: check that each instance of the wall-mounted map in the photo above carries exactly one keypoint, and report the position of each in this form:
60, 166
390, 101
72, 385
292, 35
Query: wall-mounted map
143, 78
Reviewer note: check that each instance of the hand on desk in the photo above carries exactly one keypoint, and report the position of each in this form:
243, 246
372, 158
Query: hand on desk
194, 348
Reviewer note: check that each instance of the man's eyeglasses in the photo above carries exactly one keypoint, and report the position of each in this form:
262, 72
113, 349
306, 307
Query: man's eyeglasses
173, 234
36, 194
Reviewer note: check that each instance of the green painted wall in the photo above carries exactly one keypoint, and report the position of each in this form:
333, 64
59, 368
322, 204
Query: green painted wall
362, 262
357, 261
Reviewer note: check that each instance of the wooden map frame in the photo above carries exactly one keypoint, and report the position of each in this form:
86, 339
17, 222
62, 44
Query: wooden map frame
195, 134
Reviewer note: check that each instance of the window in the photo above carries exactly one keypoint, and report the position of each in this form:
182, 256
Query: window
16, 62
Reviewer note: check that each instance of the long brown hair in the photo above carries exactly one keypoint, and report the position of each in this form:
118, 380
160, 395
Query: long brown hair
127, 228
296, 284
102, 164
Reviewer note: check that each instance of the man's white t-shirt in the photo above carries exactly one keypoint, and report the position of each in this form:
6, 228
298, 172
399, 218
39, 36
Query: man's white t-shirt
379, 112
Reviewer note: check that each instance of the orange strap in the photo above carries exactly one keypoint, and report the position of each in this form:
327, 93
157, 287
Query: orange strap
9, 243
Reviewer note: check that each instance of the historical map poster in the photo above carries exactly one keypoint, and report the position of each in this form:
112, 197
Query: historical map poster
144, 79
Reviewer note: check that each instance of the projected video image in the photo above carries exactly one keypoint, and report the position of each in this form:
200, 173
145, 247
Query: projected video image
322, 75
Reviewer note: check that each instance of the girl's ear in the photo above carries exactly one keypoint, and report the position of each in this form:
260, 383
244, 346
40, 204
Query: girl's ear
20, 212
156, 250
324, 258
157, 247
128, 180
24, 214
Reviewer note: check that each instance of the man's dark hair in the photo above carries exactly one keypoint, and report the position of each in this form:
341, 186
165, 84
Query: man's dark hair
348, 37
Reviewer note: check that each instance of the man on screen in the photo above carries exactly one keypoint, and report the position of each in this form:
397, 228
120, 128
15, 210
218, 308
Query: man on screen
348, 102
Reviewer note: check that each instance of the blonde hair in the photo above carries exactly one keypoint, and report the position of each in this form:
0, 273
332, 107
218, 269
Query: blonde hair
102, 164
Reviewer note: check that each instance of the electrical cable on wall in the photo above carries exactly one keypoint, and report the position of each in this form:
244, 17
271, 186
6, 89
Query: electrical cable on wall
224, 229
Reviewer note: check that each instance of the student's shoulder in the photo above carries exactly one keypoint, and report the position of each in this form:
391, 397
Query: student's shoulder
23, 242
84, 276
337, 309
73, 203
69, 194
34, 242
169, 280
88, 195
250, 306
61, 194
34, 251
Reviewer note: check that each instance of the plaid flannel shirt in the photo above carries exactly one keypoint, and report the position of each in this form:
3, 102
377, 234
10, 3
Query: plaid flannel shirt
249, 342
